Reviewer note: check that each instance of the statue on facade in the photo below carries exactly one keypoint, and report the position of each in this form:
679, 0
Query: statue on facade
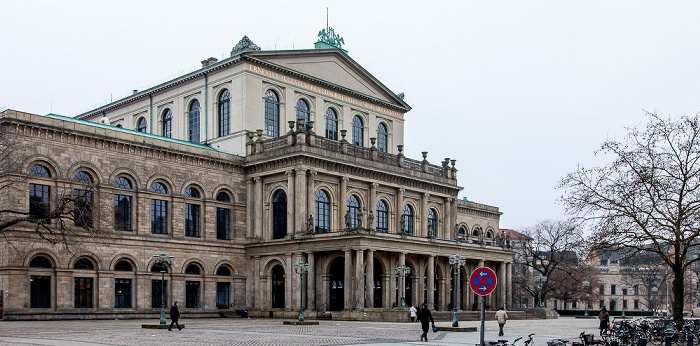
430, 230
310, 224
370, 220
509, 241
360, 216
497, 239
481, 236
402, 224
348, 221
456, 232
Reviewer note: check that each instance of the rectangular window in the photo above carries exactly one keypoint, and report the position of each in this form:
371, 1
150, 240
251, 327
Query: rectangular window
159, 293
83, 292
82, 208
602, 289
602, 304
382, 221
612, 289
613, 305
573, 305
636, 303
192, 294
159, 216
222, 289
122, 213
223, 223
122, 293
636, 290
624, 291
624, 303
39, 196
191, 220
40, 291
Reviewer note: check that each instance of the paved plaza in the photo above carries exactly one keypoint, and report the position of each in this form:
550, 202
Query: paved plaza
223, 331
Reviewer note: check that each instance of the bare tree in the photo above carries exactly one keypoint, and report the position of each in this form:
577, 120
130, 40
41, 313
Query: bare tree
647, 198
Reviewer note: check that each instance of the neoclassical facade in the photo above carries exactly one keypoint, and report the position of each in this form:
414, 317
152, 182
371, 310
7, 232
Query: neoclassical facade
240, 170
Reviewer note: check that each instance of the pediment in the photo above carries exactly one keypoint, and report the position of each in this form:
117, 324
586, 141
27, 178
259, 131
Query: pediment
333, 67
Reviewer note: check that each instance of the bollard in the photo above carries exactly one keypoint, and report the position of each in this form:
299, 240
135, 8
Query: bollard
690, 339
667, 341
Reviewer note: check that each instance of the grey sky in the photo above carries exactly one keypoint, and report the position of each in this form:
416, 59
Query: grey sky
518, 92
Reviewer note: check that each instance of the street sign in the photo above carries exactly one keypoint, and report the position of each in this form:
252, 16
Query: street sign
483, 281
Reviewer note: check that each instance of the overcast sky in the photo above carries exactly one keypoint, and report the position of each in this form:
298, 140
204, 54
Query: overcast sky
518, 92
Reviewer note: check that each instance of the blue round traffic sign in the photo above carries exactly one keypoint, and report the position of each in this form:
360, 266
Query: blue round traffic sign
483, 281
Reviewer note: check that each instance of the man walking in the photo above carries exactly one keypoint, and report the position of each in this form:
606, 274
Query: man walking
174, 316
501, 317
424, 316
604, 318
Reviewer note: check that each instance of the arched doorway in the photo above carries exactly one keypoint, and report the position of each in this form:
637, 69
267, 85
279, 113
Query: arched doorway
378, 274
336, 301
278, 287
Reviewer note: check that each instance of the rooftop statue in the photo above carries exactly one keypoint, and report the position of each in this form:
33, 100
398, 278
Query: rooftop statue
331, 38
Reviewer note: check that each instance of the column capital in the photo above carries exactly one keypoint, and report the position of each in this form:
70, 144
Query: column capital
312, 172
426, 195
449, 199
402, 190
257, 179
345, 179
374, 185
289, 172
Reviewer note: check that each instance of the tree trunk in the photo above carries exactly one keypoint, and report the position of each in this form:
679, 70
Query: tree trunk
678, 298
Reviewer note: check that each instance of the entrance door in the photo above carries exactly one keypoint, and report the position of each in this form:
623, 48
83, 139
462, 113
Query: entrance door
222, 289
337, 286
278, 287
378, 273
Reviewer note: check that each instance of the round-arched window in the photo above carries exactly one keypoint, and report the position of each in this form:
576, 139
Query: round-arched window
158, 188
141, 125
84, 263
122, 182
167, 123
303, 113
358, 129
40, 262
223, 197
223, 271
123, 266
192, 269
323, 212
382, 137
331, 124
224, 113
272, 114
40, 171
192, 192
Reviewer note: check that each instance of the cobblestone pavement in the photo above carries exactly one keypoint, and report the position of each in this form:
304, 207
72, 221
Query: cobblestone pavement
273, 332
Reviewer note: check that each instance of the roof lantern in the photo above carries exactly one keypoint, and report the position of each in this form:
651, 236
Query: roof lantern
245, 44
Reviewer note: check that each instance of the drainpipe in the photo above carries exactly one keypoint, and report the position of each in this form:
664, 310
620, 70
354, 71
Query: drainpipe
206, 107
150, 110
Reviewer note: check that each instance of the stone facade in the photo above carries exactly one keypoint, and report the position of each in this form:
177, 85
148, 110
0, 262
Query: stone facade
355, 209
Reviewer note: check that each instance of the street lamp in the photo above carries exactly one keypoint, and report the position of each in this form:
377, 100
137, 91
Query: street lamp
456, 261
540, 279
301, 268
653, 299
624, 290
586, 284
403, 271
164, 260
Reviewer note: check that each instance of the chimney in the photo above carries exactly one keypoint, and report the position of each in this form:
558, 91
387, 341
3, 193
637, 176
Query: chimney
209, 61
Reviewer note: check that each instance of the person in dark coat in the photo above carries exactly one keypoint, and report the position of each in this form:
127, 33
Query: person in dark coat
424, 316
174, 316
604, 318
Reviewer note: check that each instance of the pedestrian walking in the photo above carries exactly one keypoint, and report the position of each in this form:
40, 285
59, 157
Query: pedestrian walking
174, 316
412, 311
424, 316
604, 318
501, 317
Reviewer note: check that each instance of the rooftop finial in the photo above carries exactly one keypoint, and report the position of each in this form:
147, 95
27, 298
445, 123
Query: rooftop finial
243, 45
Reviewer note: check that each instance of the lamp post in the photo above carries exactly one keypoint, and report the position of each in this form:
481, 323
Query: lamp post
301, 268
540, 279
164, 260
623, 287
403, 271
456, 261
586, 284
653, 299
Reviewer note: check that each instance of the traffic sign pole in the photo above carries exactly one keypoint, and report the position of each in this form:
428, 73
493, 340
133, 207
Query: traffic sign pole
483, 312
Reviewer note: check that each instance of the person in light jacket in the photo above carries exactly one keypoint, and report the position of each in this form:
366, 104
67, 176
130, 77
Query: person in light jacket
412, 312
501, 317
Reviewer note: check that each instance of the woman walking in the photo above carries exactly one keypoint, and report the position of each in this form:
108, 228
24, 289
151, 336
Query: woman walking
424, 316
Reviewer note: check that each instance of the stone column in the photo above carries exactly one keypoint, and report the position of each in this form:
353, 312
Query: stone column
310, 198
444, 283
311, 282
430, 276
343, 202
423, 215
290, 198
502, 284
391, 286
258, 207
256, 283
372, 205
509, 286
399, 209
448, 228
300, 201
359, 280
250, 221
348, 284
453, 212
369, 278
290, 300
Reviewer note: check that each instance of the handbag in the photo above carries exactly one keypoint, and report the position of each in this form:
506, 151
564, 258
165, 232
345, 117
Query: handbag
434, 328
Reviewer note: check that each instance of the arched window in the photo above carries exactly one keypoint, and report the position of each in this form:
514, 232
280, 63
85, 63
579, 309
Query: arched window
82, 177
279, 215
432, 223
40, 171
40, 262
331, 124
159, 267
224, 113
382, 217
272, 114
223, 197
277, 287
223, 271
194, 122
408, 219
192, 192
119, 126
353, 209
141, 125
192, 213
303, 113
123, 266
82, 201
122, 183
358, 129
192, 269
167, 123
223, 217
158, 188
84, 264
476, 233
382, 137
159, 210
323, 212
40, 285
122, 205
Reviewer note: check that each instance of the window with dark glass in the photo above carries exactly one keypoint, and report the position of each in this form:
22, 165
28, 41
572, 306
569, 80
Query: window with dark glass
159, 293
408, 219
382, 217
272, 114
83, 292
192, 214
194, 122
277, 287
224, 113
303, 113
353, 209
613, 289
84, 264
39, 171
279, 215
192, 294
223, 217
358, 129
323, 212
159, 211
40, 291
432, 222
168, 123
40, 262
331, 124
123, 266
382, 137
82, 201
122, 293
223, 271
122, 206
39, 197
141, 125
